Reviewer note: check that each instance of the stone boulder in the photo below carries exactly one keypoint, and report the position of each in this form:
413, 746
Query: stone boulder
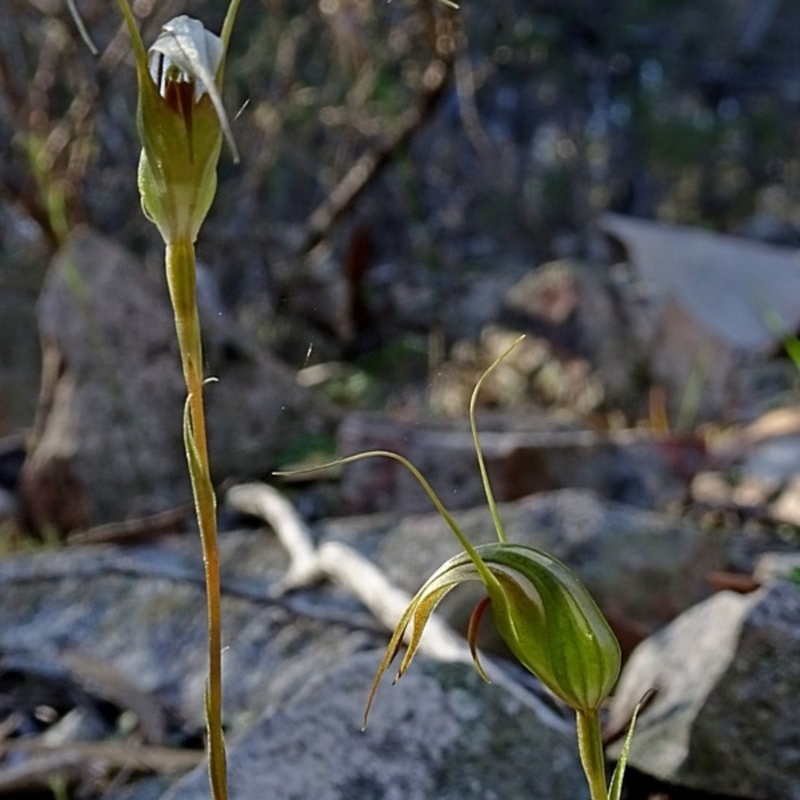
440, 732
129, 624
706, 307
727, 678
140, 612
108, 442
642, 567
525, 452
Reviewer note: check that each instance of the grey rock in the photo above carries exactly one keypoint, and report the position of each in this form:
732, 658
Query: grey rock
705, 305
109, 441
148, 788
642, 567
440, 732
724, 719
773, 566
774, 460
297, 673
140, 611
716, 278
524, 452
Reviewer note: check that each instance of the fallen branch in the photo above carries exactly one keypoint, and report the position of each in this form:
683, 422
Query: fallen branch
342, 197
73, 762
265, 502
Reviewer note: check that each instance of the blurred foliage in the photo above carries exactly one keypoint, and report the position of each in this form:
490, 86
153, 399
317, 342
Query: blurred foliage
794, 576
552, 113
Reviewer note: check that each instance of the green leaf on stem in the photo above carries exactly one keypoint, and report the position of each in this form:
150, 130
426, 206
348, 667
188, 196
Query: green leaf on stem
615, 787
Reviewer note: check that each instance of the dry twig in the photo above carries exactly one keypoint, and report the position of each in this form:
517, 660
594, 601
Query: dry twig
74, 762
263, 501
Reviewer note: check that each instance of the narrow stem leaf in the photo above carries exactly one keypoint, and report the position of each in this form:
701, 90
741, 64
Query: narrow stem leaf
484, 572
615, 789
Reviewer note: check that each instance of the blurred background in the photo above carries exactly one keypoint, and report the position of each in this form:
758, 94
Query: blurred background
403, 164
619, 180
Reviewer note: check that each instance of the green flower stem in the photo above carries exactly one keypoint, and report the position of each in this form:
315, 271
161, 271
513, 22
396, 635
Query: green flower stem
181, 279
590, 746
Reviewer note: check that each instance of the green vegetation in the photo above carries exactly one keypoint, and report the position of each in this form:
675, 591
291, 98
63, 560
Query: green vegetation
182, 123
542, 611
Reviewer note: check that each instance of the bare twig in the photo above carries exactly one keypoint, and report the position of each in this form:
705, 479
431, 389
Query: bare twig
263, 501
342, 197
73, 762
134, 530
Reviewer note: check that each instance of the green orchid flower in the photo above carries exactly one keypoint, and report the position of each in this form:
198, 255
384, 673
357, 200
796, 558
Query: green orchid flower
547, 618
542, 611
181, 120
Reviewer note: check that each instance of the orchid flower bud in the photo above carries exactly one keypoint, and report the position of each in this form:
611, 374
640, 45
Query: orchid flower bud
181, 122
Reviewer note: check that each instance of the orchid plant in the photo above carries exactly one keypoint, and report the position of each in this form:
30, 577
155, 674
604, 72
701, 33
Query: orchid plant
182, 124
541, 610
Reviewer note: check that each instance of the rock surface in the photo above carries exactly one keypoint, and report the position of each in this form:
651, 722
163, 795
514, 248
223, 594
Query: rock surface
642, 567
129, 623
440, 732
727, 676
109, 441
296, 679
704, 308
140, 612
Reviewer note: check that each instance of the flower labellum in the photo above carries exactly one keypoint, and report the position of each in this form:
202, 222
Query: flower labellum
186, 53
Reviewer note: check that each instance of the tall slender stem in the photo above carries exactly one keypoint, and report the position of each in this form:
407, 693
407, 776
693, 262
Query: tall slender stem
590, 746
181, 279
